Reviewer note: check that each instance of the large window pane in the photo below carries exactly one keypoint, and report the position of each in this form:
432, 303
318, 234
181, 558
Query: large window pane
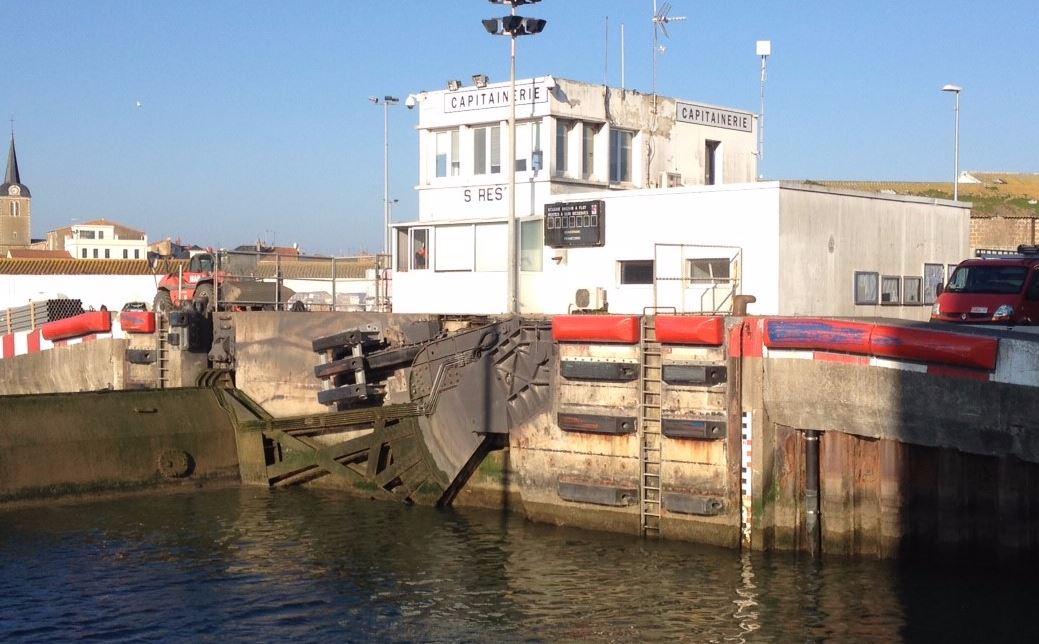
420, 249
588, 150
454, 248
495, 150
480, 150
562, 141
490, 247
532, 245
620, 156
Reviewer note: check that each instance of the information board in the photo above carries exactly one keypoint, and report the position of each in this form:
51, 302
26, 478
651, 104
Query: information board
575, 224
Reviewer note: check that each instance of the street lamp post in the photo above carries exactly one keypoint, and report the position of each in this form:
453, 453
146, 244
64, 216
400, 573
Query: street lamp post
956, 89
512, 26
764, 50
386, 101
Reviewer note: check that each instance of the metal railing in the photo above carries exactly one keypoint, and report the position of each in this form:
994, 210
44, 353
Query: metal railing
259, 280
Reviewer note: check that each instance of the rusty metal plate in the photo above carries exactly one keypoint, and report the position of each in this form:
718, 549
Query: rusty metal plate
593, 370
594, 424
696, 428
701, 375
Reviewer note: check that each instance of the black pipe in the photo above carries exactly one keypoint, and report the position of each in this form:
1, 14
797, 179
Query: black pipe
812, 514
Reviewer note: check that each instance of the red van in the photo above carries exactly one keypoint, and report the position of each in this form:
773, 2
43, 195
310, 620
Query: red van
1001, 289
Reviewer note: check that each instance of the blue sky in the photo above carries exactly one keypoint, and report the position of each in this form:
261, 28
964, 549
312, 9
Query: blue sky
255, 121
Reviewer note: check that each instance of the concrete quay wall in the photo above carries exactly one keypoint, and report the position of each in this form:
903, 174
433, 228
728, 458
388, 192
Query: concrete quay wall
927, 435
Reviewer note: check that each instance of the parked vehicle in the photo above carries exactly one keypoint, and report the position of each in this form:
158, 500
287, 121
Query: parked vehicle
196, 287
992, 289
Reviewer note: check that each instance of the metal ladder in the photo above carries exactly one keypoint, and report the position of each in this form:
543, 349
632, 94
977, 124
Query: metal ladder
162, 349
650, 379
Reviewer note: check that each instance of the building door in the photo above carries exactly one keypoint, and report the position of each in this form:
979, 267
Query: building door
691, 278
712, 163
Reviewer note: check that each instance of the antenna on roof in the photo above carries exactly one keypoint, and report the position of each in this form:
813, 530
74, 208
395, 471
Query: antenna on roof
660, 19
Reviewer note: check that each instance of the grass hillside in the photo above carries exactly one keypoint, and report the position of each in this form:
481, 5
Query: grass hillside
998, 194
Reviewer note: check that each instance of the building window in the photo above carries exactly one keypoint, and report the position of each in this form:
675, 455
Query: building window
108, 254
620, 156
420, 249
562, 141
523, 146
491, 242
447, 153
933, 276
403, 256
588, 133
889, 290
714, 269
866, 287
137, 253
455, 248
83, 251
126, 254
911, 290
712, 155
532, 245
100, 234
638, 271
487, 150
14, 208
95, 253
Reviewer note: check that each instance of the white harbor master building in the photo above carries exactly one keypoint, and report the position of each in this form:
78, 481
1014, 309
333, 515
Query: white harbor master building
626, 201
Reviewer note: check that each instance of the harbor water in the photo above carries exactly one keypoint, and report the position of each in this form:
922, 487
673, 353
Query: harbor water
241, 564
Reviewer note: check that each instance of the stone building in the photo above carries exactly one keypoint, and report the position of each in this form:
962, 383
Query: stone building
15, 208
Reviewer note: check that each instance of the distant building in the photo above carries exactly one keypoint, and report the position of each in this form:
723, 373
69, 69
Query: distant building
36, 253
15, 208
99, 239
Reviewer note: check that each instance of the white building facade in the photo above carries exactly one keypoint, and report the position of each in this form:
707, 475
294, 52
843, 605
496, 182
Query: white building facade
626, 201
101, 239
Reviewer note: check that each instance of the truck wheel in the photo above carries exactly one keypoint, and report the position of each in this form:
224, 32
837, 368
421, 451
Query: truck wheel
203, 300
163, 303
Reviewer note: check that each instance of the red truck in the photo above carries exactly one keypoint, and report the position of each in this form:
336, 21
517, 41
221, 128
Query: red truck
992, 289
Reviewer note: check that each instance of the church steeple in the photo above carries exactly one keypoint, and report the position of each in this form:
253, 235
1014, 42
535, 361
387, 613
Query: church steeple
13, 178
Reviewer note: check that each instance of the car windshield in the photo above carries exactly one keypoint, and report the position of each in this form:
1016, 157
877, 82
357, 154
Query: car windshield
1005, 280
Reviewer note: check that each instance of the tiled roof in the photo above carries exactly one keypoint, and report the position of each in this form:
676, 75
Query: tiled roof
76, 267
36, 253
347, 268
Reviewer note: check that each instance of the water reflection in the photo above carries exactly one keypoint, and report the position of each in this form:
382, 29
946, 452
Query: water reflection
268, 565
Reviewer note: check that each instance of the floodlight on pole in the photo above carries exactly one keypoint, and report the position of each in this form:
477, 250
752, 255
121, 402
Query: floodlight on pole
512, 26
764, 50
955, 89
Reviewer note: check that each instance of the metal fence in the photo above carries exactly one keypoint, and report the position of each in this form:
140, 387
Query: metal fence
35, 314
257, 280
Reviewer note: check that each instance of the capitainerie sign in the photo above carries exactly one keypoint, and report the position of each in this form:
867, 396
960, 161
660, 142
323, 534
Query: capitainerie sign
490, 97
714, 116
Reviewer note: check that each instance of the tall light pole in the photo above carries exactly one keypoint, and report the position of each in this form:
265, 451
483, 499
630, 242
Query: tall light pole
956, 89
764, 49
512, 26
386, 101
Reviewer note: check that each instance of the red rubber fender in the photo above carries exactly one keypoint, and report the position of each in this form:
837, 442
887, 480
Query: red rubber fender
137, 321
82, 324
942, 347
818, 334
691, 329
622, 329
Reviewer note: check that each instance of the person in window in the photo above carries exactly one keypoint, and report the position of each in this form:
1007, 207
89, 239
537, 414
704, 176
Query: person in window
420, 255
